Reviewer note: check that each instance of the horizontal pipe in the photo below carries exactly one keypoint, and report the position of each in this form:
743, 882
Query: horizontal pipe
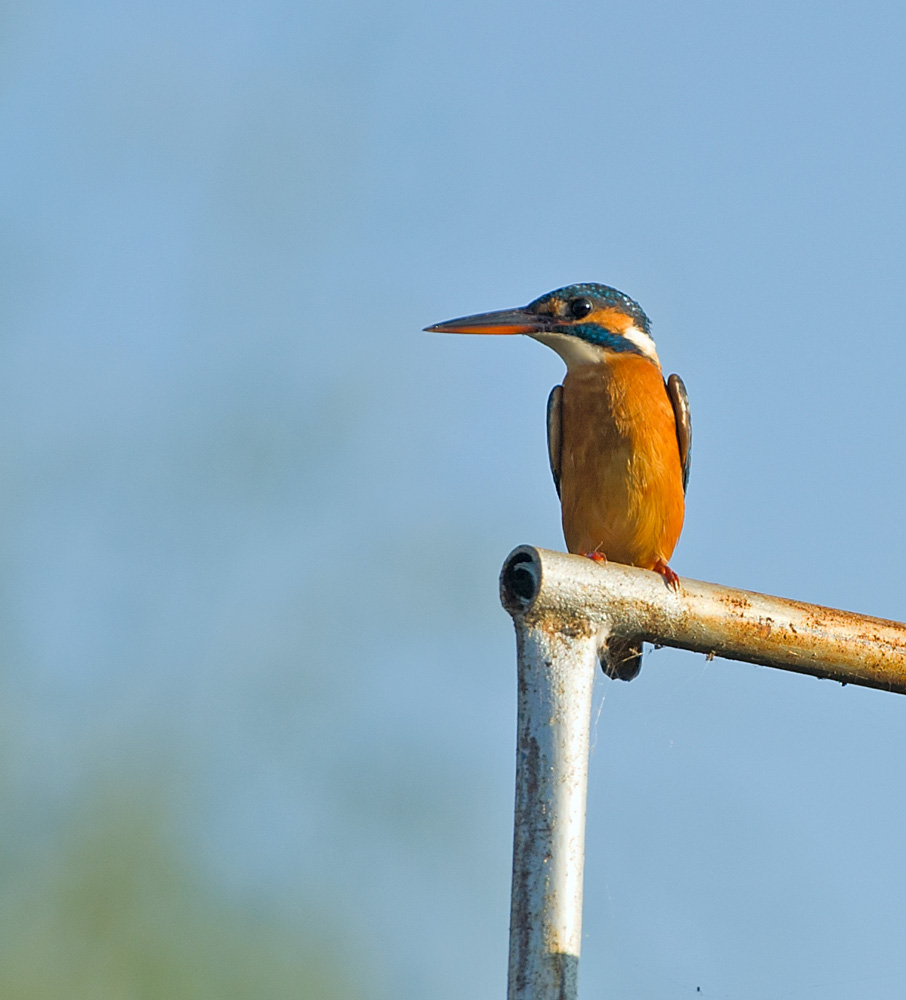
569, 593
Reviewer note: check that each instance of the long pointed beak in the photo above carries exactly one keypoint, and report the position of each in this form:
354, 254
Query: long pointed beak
501, 322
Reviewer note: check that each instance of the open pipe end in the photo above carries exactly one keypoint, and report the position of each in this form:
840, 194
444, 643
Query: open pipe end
520, 580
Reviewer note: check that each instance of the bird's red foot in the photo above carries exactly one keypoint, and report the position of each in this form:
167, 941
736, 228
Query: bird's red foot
597, 557
667, 573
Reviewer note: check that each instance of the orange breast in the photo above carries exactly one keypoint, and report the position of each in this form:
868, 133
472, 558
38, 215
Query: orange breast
621, 481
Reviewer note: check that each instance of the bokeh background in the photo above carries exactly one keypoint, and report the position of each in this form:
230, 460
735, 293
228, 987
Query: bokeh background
256, 690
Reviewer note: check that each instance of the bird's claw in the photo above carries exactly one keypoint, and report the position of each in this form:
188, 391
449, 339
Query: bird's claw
670, 578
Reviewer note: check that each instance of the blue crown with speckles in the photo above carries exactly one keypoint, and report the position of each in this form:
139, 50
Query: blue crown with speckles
603, 296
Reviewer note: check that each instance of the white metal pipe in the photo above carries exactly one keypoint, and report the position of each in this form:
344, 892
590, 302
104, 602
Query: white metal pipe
556, 676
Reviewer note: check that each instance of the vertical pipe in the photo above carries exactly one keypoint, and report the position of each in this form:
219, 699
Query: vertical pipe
556, 675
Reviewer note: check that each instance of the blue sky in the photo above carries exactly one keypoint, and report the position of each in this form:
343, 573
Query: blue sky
254, 517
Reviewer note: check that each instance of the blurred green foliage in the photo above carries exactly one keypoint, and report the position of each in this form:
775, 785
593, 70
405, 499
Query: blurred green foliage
107, 910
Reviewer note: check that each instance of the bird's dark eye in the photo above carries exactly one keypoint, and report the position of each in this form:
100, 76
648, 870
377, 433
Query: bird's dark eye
579, 308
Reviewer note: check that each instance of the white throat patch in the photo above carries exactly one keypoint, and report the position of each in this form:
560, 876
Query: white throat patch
576, 352
643, 342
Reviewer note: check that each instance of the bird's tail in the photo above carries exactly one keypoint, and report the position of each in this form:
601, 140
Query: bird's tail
621, 658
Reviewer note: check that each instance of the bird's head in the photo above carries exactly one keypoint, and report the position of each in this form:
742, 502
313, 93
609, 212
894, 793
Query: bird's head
582, 323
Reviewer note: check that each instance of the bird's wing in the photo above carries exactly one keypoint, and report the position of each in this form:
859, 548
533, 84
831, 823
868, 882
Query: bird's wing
555, 432
679, 399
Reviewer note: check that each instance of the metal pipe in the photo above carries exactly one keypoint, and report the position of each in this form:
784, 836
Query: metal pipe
565, 608
556, 677
572, 593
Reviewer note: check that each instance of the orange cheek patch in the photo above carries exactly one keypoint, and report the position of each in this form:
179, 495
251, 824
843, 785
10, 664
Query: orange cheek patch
610, 319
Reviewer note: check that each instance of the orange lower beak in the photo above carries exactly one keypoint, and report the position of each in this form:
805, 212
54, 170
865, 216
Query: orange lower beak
503, 322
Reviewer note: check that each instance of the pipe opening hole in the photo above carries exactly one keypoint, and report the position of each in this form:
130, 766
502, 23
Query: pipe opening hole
520, 580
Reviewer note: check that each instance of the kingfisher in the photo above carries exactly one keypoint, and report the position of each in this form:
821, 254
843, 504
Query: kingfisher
619, 436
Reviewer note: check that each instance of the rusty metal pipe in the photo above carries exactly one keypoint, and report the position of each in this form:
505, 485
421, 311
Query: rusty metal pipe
565, 608
583, 597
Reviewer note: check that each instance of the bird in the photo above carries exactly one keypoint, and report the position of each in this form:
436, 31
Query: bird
619, 435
